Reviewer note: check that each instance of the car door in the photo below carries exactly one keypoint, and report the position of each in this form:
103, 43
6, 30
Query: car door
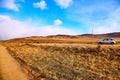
106, 40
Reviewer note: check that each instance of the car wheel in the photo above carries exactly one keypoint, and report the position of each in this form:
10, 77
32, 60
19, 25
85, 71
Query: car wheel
112, 43
99, 43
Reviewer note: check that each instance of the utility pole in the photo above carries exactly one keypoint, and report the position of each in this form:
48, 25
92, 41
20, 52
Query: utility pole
92, 30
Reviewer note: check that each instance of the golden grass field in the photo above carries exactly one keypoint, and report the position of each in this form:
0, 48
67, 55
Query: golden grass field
66, 58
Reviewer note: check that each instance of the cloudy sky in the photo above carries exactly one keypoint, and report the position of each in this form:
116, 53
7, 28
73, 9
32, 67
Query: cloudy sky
20, 18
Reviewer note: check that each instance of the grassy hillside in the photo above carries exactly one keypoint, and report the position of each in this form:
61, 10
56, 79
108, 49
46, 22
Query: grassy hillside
70, 59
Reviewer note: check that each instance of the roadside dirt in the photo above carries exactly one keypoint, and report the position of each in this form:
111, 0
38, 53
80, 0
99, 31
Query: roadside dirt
9, 67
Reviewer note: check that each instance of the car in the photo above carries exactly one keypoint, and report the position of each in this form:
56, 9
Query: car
107, 41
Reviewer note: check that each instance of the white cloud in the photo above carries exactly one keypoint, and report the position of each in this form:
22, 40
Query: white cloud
42, 5
57, 22
107, 26
96, 16
11, 28
110, 24
22, 0
63, 3
9, 4
103, 29
117, 10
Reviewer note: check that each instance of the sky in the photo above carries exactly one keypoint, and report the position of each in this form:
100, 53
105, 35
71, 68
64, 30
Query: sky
21, 18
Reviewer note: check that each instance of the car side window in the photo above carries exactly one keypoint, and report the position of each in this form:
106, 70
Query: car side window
104, 39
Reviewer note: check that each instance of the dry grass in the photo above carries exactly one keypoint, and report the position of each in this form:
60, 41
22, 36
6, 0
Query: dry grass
66, 61
84, 40
77, 40
0, 76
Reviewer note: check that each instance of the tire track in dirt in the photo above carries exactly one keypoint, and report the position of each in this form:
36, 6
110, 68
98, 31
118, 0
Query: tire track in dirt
9, 68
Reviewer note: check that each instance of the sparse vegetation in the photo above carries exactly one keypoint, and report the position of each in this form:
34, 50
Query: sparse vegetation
55, 61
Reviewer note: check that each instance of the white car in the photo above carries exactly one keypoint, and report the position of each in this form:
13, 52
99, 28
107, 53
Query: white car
107, 40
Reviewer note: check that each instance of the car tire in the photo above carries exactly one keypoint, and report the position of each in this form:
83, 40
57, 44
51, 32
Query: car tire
99, 43
112, 43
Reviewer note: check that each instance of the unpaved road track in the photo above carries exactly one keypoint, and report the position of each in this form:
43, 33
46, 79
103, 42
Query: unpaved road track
9, 68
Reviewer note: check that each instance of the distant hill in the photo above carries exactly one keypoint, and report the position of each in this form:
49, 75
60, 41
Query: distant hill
60, 36
114, 34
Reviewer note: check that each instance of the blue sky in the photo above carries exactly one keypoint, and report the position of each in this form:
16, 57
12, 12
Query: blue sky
20, 18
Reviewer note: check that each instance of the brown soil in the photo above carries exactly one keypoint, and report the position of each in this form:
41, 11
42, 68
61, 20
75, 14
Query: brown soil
9, 68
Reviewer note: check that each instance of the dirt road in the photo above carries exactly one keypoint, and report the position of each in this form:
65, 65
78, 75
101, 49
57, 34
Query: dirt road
9, 68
